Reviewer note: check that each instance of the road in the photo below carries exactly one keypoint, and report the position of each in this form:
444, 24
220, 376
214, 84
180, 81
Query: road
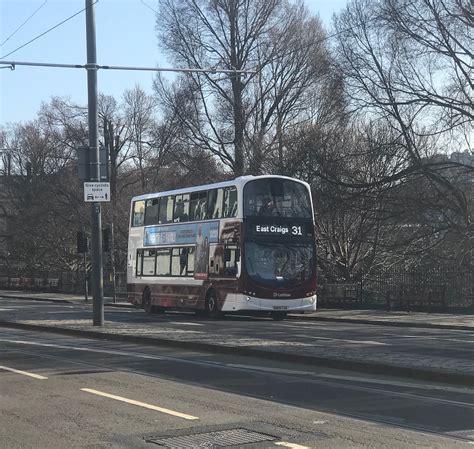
71, 405
101, 394
365, 347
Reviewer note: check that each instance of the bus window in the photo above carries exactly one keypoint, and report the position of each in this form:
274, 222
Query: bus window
138, 267
163, 262
138, 216
276, 198
148, 262
166, 209
179, 261
231, 257
190, 266
214, 203
197, 209
175, 262
230, 202
181, 208
151, 212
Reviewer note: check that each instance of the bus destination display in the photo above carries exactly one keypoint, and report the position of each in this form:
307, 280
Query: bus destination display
287, 230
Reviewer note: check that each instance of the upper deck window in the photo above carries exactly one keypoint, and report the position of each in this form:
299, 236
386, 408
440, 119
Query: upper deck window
276, 197
138, 215
214, 203
229, 209
198, 202
181, 208
151, 211
166, 209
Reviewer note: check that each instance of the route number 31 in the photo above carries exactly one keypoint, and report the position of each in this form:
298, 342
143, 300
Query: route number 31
296, 230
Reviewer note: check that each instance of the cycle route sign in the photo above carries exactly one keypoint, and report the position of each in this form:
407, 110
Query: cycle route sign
96, 192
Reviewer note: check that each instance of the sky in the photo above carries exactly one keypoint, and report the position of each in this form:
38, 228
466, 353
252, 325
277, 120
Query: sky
125, 36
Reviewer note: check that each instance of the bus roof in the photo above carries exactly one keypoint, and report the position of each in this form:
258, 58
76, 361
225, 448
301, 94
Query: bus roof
240, 182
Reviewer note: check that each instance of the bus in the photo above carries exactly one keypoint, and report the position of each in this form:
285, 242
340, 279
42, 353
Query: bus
245, 245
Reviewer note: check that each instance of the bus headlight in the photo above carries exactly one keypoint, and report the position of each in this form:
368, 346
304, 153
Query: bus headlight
248, 298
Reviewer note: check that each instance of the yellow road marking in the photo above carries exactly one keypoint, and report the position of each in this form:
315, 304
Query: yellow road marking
291, 445
140, 404
25, 373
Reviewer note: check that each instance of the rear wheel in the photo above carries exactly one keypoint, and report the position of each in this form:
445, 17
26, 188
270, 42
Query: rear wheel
212, 308
278, 316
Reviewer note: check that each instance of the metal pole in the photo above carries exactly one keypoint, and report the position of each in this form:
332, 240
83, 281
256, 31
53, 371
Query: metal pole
86, 283
96, 221
112, 262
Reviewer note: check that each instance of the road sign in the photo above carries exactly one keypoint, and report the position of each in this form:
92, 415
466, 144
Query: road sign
96, 192
84, 164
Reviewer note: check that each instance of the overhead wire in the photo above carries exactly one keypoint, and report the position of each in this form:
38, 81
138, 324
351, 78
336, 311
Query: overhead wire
23, 24
148, 6
47, 31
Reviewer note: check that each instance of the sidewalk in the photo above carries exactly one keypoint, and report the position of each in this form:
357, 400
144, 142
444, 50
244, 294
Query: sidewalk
380, 317
452, 364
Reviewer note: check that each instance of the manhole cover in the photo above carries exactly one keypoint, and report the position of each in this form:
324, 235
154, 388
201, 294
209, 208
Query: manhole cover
222, 438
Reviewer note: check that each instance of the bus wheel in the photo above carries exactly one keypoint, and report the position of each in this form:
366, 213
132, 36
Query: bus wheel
212, 309
278, 316
146, 302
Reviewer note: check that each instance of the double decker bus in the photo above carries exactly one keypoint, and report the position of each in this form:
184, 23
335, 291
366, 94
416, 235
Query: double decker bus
245, 245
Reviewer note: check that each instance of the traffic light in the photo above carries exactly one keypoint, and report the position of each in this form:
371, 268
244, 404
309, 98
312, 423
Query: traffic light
82, 242
106, 238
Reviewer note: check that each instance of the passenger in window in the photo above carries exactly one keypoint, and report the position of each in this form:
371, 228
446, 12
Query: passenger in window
202, 210
183, 259
179, 213
178, 210
267, 208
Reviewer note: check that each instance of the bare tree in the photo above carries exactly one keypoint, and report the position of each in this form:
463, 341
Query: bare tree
408, 65
238, 118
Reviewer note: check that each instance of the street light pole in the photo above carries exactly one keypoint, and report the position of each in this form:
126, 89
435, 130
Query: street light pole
96, 219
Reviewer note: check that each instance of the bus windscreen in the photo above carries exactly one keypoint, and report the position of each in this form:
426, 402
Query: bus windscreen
276, 197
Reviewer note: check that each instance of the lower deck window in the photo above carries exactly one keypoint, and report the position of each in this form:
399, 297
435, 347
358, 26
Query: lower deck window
148, 265
165, 262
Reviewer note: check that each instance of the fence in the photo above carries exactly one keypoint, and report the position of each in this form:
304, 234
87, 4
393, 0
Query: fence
459, 284
63, 281
373, 288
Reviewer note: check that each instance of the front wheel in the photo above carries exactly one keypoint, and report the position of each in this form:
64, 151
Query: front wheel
212, 308
278, 316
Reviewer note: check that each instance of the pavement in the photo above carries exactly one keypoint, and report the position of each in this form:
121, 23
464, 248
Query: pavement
394, 318
374, 360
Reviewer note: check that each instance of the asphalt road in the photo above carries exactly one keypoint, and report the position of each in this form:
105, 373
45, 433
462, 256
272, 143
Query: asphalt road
83, 397
450, 346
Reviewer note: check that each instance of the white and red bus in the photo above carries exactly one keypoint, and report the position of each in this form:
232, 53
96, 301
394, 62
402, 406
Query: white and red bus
245, 245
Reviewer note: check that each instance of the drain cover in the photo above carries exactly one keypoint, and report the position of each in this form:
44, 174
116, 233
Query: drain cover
222, 438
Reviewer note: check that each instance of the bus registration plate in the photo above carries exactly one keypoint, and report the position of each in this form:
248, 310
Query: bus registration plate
280, 307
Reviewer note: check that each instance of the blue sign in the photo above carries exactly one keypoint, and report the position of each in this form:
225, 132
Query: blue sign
182, 234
